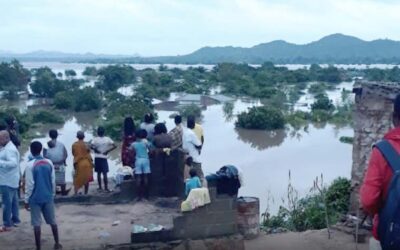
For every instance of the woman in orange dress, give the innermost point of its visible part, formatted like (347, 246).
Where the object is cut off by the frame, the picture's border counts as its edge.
(83, 163)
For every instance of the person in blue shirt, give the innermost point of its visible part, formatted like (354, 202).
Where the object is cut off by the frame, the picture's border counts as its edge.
(40, 188)
(142, 163)
(192, 182)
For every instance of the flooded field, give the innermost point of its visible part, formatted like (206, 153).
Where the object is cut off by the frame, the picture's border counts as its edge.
(264, 157)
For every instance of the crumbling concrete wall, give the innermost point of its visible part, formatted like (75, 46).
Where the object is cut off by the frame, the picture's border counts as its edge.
(219, 218)
(372, 119)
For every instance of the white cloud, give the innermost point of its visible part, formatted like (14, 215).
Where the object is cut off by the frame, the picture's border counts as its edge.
(168, 27)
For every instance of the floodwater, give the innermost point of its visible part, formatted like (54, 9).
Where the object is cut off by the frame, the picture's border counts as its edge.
(265, 158)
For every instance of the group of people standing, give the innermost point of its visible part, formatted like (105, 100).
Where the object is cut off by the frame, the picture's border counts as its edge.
(46, 167)
(39, 184)
(137, 144)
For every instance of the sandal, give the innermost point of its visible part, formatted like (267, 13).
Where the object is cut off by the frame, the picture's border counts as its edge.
(4, 229)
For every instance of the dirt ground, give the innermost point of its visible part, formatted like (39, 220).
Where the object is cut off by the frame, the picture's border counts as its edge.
(310, 240)
(89, 227)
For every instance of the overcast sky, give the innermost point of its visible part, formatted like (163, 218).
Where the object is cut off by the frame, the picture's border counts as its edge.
(171, 27)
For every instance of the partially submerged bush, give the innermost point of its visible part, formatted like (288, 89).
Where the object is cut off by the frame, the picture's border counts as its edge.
(44, 116)
(322, 102)
(190, 110)
(261, 118)
(85, 99)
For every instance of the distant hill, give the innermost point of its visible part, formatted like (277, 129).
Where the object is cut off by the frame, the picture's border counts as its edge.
(336, 48)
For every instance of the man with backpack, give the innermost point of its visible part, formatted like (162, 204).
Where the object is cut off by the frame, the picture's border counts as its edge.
(380, 192)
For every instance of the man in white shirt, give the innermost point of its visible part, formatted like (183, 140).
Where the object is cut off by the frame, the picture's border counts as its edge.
(102, 145)
(190, 143)
(9, 181)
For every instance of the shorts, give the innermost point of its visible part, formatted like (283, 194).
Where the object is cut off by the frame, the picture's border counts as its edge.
(142, 166)
(47, 209)
(101, 165)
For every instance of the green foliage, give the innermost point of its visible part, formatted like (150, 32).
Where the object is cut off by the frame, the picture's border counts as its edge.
(48, 85)
(338, 195)
(113, 77)
(322, 102)
(390, 75)
(64, 100)
(261, 118)
(228, 108)
(11, 94)
(319, 88)
(90, 71)
(85, 99)
(24, 120)
(346, 139)
(309, 212)
(70, 73)
(121, 106)
(268, 80)
(118, 107)
(45, 116)
(13, 76)
(114, 127)
(320, 116)
(188, 110)
(298, 118)
(343, 114)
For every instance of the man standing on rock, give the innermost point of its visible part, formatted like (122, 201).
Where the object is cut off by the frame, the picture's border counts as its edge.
(40, 186)
(376, 189)
(9, 181)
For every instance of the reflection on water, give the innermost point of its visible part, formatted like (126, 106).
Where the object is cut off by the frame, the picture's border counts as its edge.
(261, 139)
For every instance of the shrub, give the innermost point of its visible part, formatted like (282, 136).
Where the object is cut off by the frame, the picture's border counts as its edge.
(261, 118)
(87, 99)
(44, 116)
(320, 116)
(298, 118)
(338, 195)
(23, 119)
(346, 139)
(189, 110)
(63, 100)
(310, 212)
(322, 102)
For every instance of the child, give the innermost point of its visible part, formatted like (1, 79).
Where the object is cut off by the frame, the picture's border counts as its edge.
(142, 163)
(40, 191)
(102, 145)
(193, 182)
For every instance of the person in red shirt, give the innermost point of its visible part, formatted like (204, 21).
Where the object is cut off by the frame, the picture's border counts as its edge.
(377, 179)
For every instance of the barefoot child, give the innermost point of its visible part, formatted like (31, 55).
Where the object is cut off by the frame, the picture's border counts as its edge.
(142, 163)
(40, 187)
